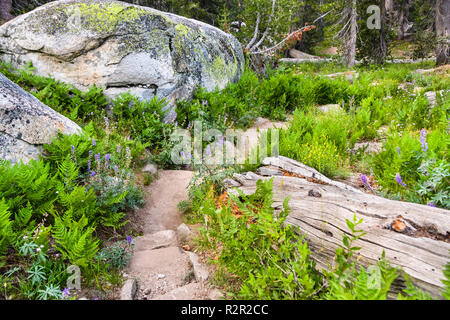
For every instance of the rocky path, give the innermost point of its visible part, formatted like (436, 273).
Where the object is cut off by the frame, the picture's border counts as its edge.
(160, 269)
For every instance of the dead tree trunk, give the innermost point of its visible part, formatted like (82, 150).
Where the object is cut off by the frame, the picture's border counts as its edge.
(351, 53)
(442, 19)
(414, 237)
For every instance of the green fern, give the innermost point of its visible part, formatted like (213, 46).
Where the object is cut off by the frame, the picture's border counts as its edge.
(5, 227)
(75, 240)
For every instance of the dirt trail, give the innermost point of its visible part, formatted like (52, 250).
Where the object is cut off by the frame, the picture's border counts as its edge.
(164, 194)
(164, 270)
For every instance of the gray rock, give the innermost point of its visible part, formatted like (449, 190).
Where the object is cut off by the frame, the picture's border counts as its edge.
(158, 240)
(330, 107)
(183, 232)
(348, 75)
(129, 289)
(150, 168)
(200, 271)
(122, 47)
(432, 97)
(26, 123)
(229, 183)
(370, 146)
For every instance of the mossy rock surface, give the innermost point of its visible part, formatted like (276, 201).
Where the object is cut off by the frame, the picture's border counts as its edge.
(122, 47)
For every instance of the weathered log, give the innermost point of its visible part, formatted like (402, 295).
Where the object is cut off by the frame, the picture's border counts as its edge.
(320, 206)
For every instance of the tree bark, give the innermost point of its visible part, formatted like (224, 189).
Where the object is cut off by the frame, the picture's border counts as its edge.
(320, 206)
(442, 19)
(5, 10)
(381, 57)
(351, 49)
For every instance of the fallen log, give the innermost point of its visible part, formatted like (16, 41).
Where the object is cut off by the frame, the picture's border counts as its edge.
(415, 238)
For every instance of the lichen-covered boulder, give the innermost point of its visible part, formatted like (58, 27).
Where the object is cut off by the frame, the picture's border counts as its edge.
(122, 47)
(26, 123)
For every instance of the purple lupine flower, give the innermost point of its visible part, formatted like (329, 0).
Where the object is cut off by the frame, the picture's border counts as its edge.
(92, 173)
(423, 140)
(66, 293)
(107, 121)
(73, 149)
(226, 116)
(129, 239)
(90, 153)
(107, 159)
(398, 151)
(364, 180)
(97, 157)
(119, 148)
(89, 165)
(398, 178)
(94, 142)
(116, 170)
(182, 154)
(431, 204)
(189, 126)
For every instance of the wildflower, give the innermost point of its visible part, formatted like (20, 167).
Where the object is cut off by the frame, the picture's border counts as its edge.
(176, 123)
(398, 151)
(423, 140)
(364, 180)
(73, 149)
(116, 170)
(182, 154)
(25, 237)
(107, 121)
(93, 174)
(398, 178)
(431, 204)
(90, 154)
(38, 249)
(66, 293)
(94, 142)
(189, 126)
(97, 157)
(89, 165)
(119, 148)
(107, 159)
(129, 239)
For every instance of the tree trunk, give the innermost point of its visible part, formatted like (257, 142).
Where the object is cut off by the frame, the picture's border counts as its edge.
(351, 53)
(320, 206)
(442, 31)
(5, 10)
(381, 57)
